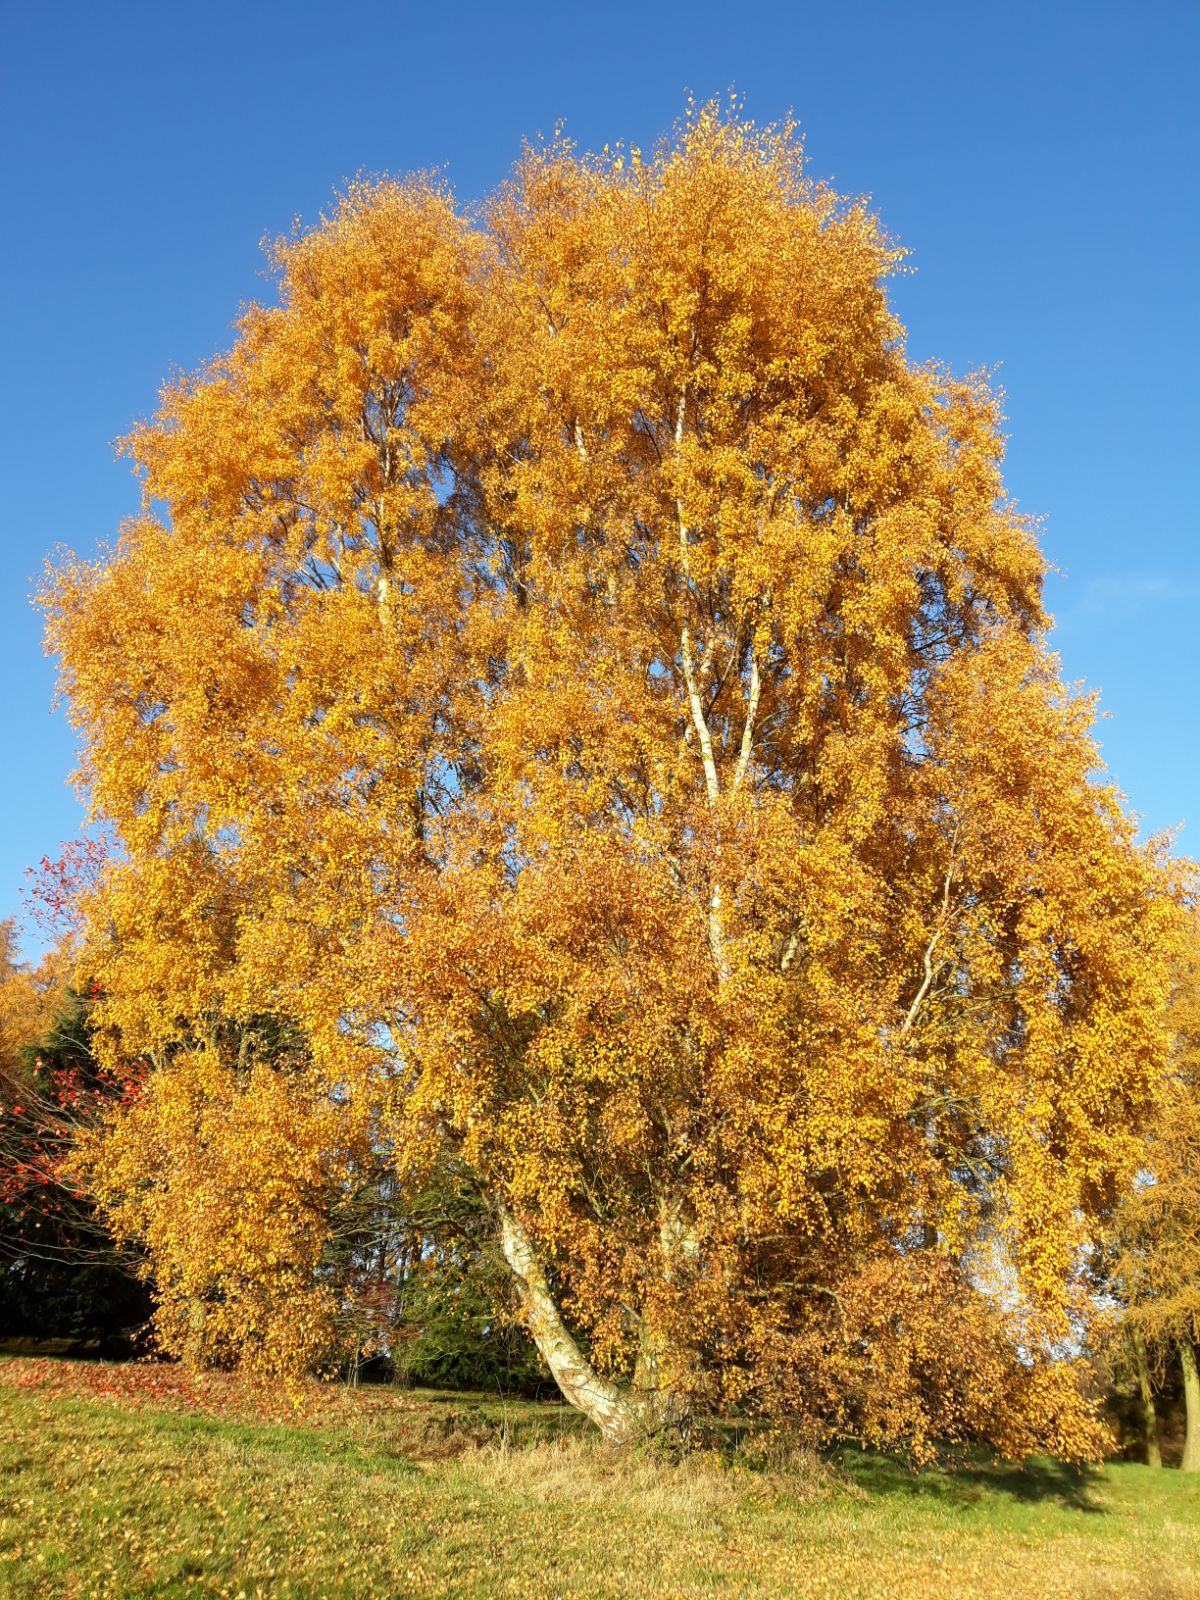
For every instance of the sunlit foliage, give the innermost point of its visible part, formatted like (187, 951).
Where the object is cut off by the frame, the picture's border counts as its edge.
(1153, 1261)
(578, 669)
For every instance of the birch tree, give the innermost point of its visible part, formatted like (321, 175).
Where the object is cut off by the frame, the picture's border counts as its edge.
(578, 667)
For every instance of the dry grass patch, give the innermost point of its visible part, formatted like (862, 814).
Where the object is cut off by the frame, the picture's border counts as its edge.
(585, 1473)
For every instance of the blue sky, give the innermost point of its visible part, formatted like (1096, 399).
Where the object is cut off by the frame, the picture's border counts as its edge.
(1039, 161)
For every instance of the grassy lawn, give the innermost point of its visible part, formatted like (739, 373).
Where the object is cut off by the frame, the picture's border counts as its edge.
(126, 1481)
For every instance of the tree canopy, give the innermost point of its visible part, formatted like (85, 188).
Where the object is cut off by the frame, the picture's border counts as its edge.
(577, 668)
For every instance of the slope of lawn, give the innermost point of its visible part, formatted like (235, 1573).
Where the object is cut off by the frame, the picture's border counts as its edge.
(137, 1482)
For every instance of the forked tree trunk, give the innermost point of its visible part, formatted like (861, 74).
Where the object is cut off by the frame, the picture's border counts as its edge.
(1191, 1401)
(622, 1415)
(1145, 1388)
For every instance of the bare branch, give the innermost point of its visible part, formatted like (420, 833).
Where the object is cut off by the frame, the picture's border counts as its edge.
(748, 728)
(930, 967)
(711, 781)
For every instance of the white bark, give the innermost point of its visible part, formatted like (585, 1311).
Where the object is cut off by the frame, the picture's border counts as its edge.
(748, 728)
(930, 968)
(712, 784)
(699, 720)
(614, 1411)
(1191, 1401)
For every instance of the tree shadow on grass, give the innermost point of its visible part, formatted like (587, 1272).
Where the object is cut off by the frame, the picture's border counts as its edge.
(966, 1479)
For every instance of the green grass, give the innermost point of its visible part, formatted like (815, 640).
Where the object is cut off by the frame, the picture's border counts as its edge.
(101, 1493)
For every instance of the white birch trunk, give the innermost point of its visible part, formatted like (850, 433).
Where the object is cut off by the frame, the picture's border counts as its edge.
(1191, 1401)
(615, 1411)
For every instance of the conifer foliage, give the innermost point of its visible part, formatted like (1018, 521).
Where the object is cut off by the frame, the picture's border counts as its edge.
(62, 1275)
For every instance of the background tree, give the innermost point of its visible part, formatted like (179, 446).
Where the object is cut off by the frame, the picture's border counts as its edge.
(62, 1275)
(452, 1322)
(1155, 1257)
(27, 1000)
(590, 679)
(277, 1233)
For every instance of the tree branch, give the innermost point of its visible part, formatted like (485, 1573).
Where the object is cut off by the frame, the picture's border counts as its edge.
(930, 969)
(748, 728)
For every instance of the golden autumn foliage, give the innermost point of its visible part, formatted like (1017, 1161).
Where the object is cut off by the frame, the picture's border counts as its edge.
(576, 668)
(232, 1180)
(28, 997)
(1154, 1260)
(1160, 1266)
